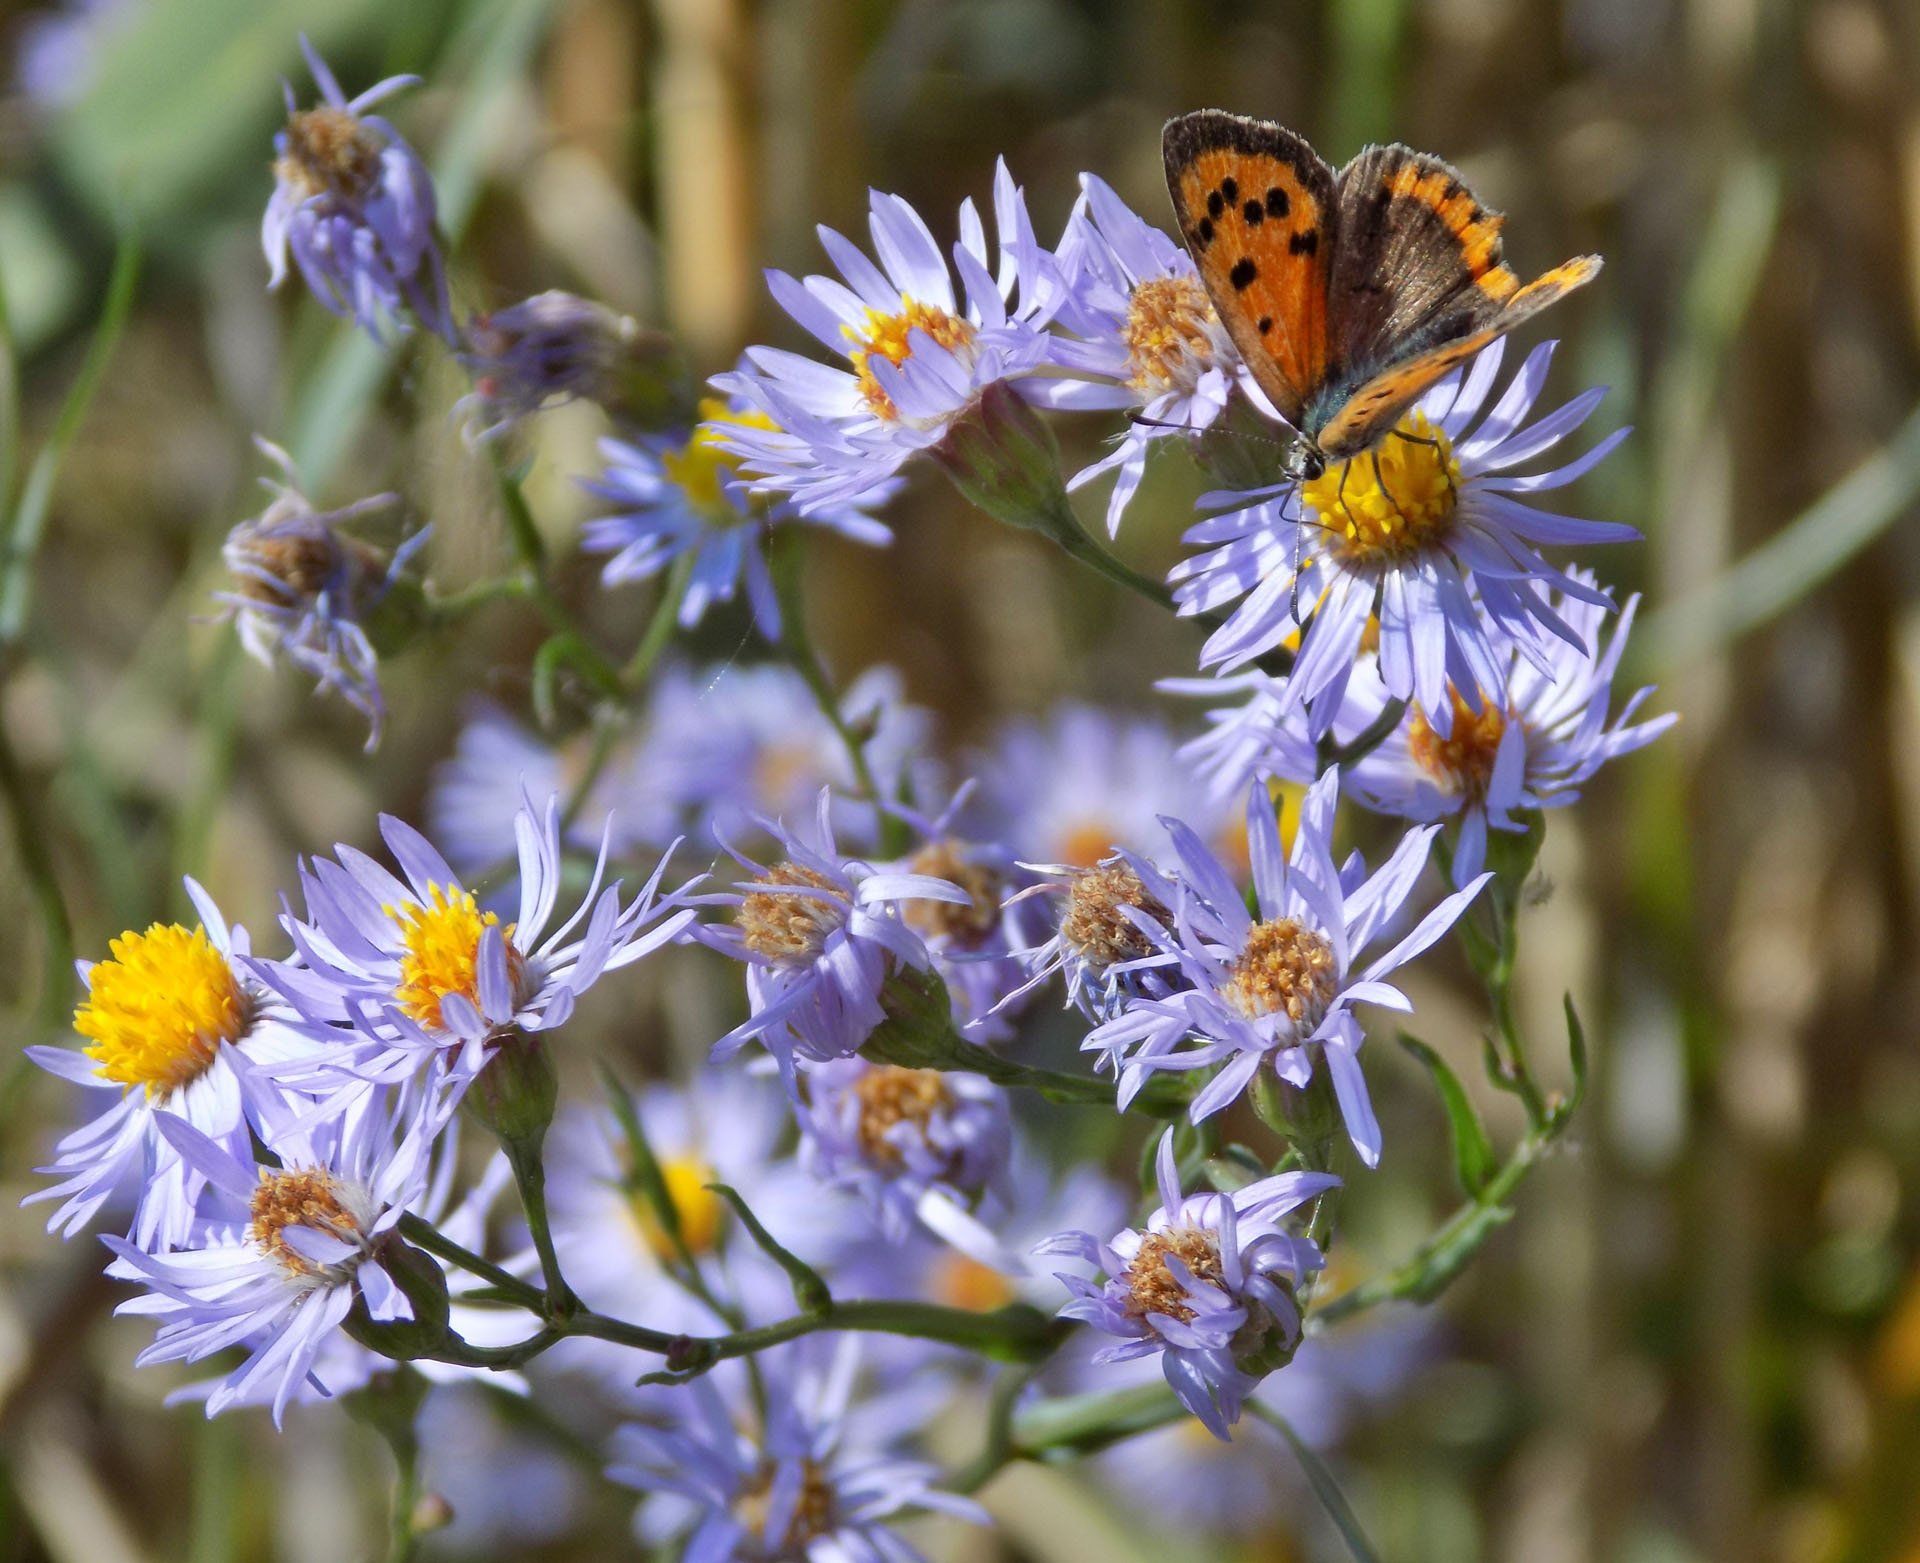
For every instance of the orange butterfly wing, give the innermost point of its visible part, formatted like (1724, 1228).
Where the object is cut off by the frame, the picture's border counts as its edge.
(1255, 204)
(1377, 403)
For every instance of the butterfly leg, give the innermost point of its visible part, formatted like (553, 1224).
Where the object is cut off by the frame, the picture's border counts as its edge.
(1446, 467)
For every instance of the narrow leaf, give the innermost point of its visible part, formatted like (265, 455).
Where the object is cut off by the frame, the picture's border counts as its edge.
(644, 1176)
(809, 1291)
(1473, 1158)
(1577, 1050)
(1324, 1486)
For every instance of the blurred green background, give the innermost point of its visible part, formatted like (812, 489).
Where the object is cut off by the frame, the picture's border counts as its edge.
(1700, 1339)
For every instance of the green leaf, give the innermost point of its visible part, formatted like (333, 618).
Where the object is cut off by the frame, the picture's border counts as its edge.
(1234, 1168)
(644, 1176)
(1577, 1051)
(1473, 1158)
(1443, 1264)
(1324, 1486)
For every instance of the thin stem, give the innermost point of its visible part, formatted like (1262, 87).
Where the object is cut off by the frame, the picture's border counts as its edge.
(1321, 1480)
(999, 1448)
(423, 1234)
(784, 548)
(36, 863)
(530, 1176)
(659, 631)
(1371, 738)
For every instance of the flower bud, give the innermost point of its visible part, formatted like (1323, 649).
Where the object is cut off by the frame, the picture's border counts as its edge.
(514, 1094)
(1002, 457)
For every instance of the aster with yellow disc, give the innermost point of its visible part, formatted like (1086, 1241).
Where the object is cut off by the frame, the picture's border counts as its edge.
(171, 1018)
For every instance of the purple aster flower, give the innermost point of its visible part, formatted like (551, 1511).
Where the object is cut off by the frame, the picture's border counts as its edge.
(917, 356)
(1090, 935)
(1266, 735)
(917, 1145)
(498, 763)
(1072, 788)
(820, 935)
(1145, 336)
(58, 49)
(427, 979)
(732, 745)
(1270, 989)
(973, 945)
(165, 1017)
(726, 1126)
(1425, 532)
(303, 1243)
(1209, 1284)
(808, 1477)
(303, 588)
(353, 204)
(1532, 744)
(685, 497)
(543, 352)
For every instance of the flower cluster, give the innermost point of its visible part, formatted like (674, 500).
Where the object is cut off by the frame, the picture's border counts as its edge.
(278, 1145)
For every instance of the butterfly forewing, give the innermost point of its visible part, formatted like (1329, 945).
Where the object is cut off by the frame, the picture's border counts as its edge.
(1256, 206)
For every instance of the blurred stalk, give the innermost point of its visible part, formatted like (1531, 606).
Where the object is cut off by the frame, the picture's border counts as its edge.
(1365, 40)
(217, 1492)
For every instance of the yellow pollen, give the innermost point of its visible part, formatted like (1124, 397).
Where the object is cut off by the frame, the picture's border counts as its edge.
(1169, 333)
(890, 1095)
(812, 1512)
(1461, 763)
(157, 1012)
(1286, 968)
(442, 939)
(1388, 504)
(778, 924)
(699, 467)
(888, 336)
(298, 1196)
(1150, 1283)
(702, 1213)
(1093, 925)
(329, 151)
(966, 926)
(963, 1282)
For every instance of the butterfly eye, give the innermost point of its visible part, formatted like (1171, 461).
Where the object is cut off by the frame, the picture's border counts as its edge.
(1303, 462)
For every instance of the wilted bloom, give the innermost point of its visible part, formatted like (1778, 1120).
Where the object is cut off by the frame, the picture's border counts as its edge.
(915, 1144)
(1532, 744)
(820, 934)
(353, 204)
(808, 1477)
(1269, 989)
(1210, 1284)
(1424, 532)
(1145, 336)
(685, 497)
(543, 352)
(427, 977)
(164, 1018)
(724, 1126)
(916, 355)
(306, 1242)
(303, 589)
(1091, 936)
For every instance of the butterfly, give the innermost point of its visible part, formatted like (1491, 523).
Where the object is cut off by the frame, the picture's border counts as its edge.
(1348, 294)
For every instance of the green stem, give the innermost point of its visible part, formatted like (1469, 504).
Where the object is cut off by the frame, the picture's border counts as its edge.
(1371, 738)
(999, 1448)
(422, 1234)
(530, 1176)
(1325, 1488)
(659, 631)
(36, 863)
(785, 558)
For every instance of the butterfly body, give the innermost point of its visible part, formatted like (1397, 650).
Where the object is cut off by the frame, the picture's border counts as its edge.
(1348, 294)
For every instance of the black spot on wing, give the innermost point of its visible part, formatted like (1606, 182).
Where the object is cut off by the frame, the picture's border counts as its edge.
(1216, 203)
(1305, 242)
(1229, 188)
(1266, 324)
(1253, 211)
(1204, 232)
(1243, 273)
(1277, 203)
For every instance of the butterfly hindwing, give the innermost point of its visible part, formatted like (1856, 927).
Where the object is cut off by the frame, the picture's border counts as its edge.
(1256, 206)
(1375, 405)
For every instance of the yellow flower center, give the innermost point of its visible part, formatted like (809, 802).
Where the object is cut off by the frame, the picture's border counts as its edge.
(701, 466)
(812, 1512)
(1085, 843)
(702, 1213)
(890, 1095)
(966, 926)
(329, 151)
(157, 1012)
(1286, 968)
(1462, 762)
(777, 923)
(963, 1282)
(442, 939)
(1093, 924)
(299, 1196)
(1388, 504)
(1169, 334)
(1151, 1286)
(887, 335)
